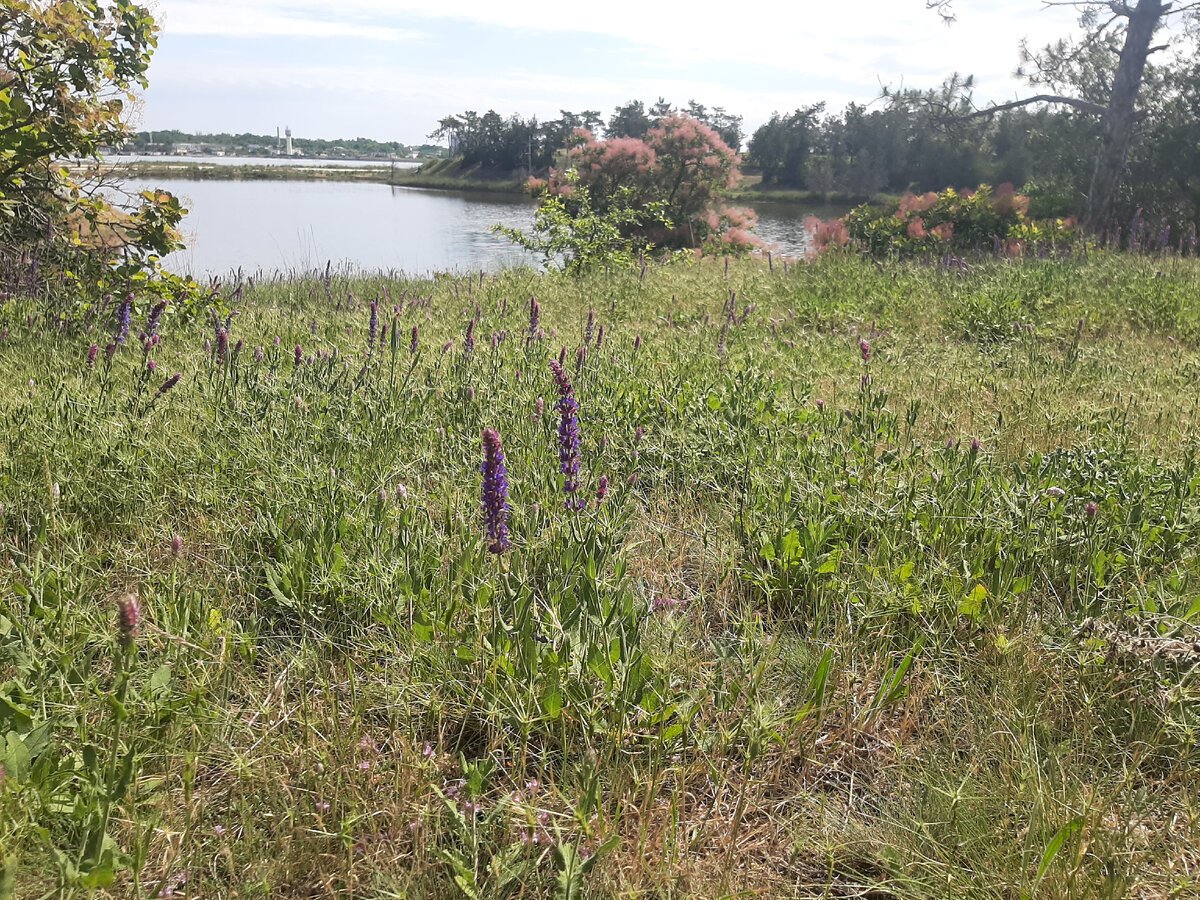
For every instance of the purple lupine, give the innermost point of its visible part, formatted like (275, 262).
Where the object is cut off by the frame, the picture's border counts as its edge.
(222, 343)
(568, 436)
(602, 490)
(124, 319)
(495, 492)
(151, 365)
(535, 320)
(110, 351)
(373, 326)
(91, 355)
(416, 340)
(299, 357)
(169, 383)
(469, 340)
(590, 329)
(152, 320)
(864, 349)
(600, 336)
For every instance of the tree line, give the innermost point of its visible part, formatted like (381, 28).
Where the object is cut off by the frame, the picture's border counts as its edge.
(1060, 145)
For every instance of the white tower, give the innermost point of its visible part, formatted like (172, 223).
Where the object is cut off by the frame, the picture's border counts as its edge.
(287, 132)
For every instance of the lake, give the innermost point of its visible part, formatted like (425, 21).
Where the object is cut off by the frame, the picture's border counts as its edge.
(267, 226)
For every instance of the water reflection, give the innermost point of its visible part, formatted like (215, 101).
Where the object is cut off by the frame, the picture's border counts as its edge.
(300, 225)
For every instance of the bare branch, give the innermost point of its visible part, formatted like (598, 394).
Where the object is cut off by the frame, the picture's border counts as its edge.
(1075, 102)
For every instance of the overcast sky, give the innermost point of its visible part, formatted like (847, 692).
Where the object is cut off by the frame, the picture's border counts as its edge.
(389, 69)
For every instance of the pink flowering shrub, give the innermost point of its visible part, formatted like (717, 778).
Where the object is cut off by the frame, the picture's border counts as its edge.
(988, 219)
(682, 164)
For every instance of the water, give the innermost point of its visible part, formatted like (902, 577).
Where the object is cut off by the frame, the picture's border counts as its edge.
(266, 226)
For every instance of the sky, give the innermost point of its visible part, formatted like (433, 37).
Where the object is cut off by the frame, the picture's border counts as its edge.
(389, 69)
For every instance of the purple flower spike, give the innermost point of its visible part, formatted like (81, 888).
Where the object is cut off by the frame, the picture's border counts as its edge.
(129, 619)
(568, 436)
(864, 347)
(373, 326)
(170, 383)
(495, 492)
(299, 357)
(416, 340)
(591, 327)
(602, 490)
(91, 356)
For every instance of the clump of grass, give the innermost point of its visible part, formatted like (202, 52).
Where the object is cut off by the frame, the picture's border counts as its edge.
(839, 580)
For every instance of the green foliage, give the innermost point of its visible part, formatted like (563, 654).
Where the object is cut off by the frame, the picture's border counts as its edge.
(568, 229)
(953, 221)
(69, 68)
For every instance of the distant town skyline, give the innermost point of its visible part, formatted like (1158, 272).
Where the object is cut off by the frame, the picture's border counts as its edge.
(389, 69)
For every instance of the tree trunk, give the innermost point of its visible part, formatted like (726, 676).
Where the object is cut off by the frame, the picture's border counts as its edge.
(1120, 117)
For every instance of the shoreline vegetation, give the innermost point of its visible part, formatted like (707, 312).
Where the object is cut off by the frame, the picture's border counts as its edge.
(440, 175)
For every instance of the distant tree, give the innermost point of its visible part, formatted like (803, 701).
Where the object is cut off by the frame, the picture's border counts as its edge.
(629, 120)
(781, 146)
(1129, 28)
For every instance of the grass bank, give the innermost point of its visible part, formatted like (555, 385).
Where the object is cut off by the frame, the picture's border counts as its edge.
(452, 175)
(214, 172)
(914, 617)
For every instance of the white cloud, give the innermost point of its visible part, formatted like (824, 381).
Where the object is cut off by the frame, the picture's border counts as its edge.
(250, 20)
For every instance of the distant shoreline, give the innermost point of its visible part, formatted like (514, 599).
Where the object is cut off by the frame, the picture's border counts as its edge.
(413, 178)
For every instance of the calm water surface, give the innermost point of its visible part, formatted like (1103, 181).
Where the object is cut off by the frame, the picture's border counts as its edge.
(265, 226)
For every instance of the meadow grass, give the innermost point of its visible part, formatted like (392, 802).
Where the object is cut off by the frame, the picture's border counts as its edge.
(893, 592)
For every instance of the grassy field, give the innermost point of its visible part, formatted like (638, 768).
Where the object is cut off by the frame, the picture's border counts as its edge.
(909, 618)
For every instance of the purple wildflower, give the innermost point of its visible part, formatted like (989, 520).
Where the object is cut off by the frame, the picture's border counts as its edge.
(91, 356)
(151, 365)
(495, 492)
(1092, 509)
(124, 317)
(864, 348)
(177, 546)
(637, 343)
(299, 357)
(602, 490)
(568, 436)
(129, 619)
(416, 340)
(590, 329)
(373, 326)
(600, 336)
(152, 320)
(535, 320)
(469, 340)
(170, 383)
(222, 343)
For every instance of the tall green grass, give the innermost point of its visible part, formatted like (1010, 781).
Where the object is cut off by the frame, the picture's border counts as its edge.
(921, 624)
